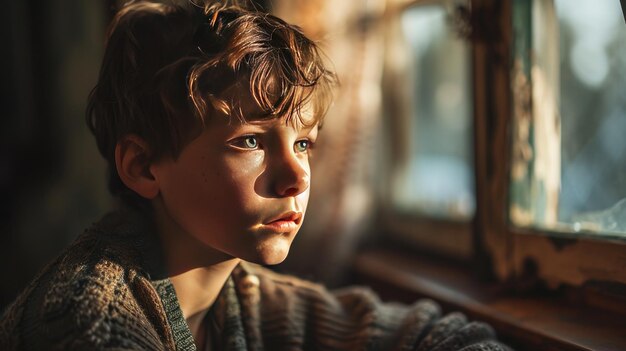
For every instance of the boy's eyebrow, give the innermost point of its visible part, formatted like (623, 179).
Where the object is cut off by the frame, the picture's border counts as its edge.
(269, 121)
(305, 120)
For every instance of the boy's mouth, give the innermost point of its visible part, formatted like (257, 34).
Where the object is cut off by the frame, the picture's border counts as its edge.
(284, 222)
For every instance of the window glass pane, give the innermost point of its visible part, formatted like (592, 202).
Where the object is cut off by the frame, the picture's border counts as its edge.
(438, 177)
(575, 179)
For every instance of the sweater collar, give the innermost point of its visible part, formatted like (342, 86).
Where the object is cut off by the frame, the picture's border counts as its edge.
(136, 228)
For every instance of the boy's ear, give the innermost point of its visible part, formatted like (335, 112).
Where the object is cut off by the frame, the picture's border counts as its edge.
(132, 160)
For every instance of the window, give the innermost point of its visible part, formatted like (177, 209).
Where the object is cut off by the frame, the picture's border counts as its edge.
(534, 157)
(549, 122)
(569, 152)
(548, 115)
(431, 190)
(438, 178)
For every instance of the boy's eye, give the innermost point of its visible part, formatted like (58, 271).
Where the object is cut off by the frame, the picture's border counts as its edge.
(302, 145)
(247, 142)
(250, 142)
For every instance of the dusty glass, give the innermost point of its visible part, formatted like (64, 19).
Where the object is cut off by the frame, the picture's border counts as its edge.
(569, 143)
(437, 178)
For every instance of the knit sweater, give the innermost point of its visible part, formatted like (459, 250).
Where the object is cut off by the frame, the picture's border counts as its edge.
(108, 291)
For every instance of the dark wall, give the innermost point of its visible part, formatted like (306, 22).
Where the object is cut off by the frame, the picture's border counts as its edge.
(51, 176)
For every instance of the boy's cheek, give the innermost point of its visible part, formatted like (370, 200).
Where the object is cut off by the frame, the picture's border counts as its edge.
(243, 162)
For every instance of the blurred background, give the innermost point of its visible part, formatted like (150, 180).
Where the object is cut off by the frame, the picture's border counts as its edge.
(51, 178)
(396, 155)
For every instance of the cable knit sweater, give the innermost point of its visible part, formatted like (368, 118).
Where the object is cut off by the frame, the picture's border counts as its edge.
(108, 291)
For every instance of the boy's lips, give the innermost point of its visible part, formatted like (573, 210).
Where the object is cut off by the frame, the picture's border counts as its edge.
(284, 222)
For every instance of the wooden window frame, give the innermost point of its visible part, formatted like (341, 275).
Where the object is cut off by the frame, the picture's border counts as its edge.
(554, 258)
(507, 252)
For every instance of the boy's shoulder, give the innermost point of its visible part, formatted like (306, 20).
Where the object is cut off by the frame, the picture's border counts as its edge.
(352, 318)
(86, 297)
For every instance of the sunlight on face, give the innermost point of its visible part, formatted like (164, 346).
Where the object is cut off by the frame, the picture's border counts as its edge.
(241, 188)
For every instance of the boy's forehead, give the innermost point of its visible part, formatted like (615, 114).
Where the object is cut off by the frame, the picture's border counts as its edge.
(243, 104)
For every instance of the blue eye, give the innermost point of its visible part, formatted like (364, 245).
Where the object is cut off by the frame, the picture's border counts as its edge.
(246, 142)
(250, 142)
(302, 145)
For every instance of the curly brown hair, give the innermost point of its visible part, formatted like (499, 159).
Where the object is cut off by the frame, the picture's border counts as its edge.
(167, 66)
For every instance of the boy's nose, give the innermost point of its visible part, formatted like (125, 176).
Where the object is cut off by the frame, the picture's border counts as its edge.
(291, 177)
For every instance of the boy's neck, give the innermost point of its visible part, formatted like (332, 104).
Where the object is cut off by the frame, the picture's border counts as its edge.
(197, 290)
(196, 271)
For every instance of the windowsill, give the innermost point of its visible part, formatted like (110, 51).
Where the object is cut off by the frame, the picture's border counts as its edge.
(525, 322)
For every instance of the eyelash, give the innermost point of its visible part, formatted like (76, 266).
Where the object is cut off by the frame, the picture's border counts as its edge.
(241, 143)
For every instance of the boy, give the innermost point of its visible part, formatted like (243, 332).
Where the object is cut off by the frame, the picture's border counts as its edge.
(206, 116)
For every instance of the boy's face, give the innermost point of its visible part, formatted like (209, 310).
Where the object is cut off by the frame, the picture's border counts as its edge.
(241, 188)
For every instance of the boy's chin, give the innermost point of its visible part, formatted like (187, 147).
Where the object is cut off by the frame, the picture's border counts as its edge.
(272, 253)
